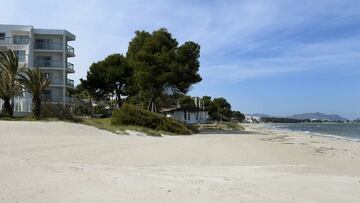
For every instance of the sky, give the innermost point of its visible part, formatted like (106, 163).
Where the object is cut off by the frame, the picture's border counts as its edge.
(278, 57)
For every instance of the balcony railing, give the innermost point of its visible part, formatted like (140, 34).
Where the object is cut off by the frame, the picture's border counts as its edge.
(48, 63)
(20, 40)
(70, 49)
(56, 99)
(70, 82)
(57, 82)
(49, 45)
(60, 82)
(51, 98)
(70, 66)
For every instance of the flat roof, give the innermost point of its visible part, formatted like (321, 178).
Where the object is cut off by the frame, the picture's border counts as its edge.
(54, 32)
(17, 27)
(186, 108)
(68, 34)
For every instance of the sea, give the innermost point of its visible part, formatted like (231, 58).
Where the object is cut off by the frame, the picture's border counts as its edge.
(349, 131)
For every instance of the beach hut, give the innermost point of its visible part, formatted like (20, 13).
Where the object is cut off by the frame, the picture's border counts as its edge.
(191, 115)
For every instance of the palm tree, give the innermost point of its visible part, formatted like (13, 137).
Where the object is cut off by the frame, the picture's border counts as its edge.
(9, 85)
(35, 82)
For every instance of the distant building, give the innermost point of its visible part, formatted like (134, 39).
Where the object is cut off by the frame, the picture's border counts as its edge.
(47, 49)
(191, 115)
(252, 119)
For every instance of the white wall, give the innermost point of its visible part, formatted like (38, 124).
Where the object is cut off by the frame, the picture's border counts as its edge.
(179, 115)
(20, 104)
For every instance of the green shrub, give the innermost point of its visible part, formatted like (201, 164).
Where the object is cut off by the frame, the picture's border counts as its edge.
(131, 115)
(58, 111)
(82, 110)
(102, 111)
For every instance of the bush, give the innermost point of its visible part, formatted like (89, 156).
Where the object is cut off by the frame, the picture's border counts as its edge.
(82, 110)
(57, 111)
(102, 111)
(131, 115)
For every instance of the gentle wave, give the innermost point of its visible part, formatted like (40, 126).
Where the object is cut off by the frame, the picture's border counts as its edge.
(349, 132)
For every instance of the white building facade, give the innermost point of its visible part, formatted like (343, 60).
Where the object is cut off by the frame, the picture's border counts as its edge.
(252, 119)
(47, 49)
(191, 115)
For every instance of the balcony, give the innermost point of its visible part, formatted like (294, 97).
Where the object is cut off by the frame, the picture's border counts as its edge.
(70, 50)
(52, 99)
(49, 63)
(70, 67)
(57, 82)
(69, 82)
(48, 45)
(19, 40)
(56, 99)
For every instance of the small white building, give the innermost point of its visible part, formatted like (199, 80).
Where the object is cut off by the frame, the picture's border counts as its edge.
(252, 119)
(191, 115)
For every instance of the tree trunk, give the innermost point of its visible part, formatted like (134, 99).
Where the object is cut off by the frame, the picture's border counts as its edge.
(118, 98)
(36, 106)
(152, 105)
(91, 108)
(149, 105)
(7, 108)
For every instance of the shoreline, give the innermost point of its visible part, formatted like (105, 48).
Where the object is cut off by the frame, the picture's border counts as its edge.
(266, 125)
(66, 162)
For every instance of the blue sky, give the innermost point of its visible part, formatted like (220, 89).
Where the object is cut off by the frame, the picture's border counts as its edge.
(278, 57)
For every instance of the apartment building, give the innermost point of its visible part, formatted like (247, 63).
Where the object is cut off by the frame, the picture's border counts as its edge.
(47, 49)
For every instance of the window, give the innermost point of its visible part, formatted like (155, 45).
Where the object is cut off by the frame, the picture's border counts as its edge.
(21, 55)
(189, 116)
(40, 44)
(185, 115)
(45, 44)
(21, 39)
(47, 95)
(43, 61)
(2, 36)
(197, 115)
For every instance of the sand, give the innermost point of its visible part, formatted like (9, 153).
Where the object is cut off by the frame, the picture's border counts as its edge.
(64, 162)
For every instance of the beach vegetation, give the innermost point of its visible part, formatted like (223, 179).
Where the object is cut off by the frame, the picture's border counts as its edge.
(9, 85)
(108, 77)
(58, 112)
(283, 120)
(161, 66)
(186, 101)
(35, 82)
(132, 115)
(219, 109)
(105, 124)
(237, 116)
(221, 127)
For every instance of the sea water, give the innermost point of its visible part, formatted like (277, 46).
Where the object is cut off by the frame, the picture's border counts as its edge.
(340, 130)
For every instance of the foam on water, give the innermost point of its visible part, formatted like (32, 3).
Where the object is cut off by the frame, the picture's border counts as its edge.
(338, 131)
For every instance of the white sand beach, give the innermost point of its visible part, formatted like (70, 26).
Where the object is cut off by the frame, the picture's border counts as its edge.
(64, 162)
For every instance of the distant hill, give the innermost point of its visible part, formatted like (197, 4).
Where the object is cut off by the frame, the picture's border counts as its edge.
(258, 115)
(318, 116)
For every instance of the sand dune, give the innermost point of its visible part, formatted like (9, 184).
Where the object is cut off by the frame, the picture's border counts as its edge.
(64, 162)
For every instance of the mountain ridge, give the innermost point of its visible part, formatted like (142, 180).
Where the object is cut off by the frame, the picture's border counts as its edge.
(304, 116)
(318, 116)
